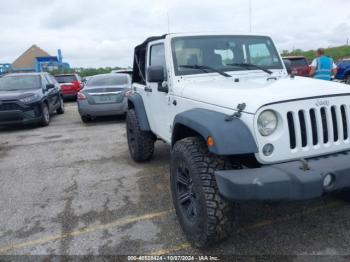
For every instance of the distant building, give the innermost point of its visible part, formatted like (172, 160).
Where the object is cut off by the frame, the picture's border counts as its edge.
(28, 59)
(38, 60)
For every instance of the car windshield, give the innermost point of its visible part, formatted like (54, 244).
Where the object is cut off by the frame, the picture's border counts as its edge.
(20, 82)
(66, 79)
(108, 80)
(298, 62)
(224, 53)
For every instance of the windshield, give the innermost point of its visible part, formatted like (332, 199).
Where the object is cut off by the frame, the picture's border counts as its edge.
(23, 82)
(66, 79)
(108, 80)
(223, 53)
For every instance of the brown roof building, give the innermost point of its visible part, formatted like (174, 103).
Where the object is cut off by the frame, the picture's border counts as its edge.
(27, 59)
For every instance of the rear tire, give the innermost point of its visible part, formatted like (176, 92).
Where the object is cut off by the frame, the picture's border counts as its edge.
(343, 195)
(86, 119)
(60, 110)
(205, 217)
(347, 80)
(141, 143)
(45, 115)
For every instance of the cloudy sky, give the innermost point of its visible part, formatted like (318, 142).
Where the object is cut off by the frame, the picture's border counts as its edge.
(93, 33)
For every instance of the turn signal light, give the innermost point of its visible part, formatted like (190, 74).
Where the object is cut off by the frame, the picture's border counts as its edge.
(210, 141)
(81, 96)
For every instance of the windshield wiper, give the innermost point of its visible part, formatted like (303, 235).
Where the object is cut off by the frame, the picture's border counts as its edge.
(248, 66)
(205, 68)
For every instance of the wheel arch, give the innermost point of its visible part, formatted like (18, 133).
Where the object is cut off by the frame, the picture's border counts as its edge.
(135, 102)
(347, 73)
(46, 102)
(230, 137)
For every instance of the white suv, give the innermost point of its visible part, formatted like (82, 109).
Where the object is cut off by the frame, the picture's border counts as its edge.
(240, 128)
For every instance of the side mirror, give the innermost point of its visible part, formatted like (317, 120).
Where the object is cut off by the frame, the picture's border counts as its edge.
(288, 65)
(50, 86)
(156, 74)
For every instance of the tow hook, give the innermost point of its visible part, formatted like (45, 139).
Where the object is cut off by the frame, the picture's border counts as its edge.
(304, 165)
(238, 113)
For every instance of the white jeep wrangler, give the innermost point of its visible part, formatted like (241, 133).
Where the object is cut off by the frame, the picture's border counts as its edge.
(240, 128)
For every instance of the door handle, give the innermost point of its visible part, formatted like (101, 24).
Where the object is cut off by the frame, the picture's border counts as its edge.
(148, 89)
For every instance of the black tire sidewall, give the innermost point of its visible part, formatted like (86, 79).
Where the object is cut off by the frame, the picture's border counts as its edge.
(347, 79)
(61, 109)
(130, 124)
(142, 147)
(85, 119)
(195, 229)
(45, 110)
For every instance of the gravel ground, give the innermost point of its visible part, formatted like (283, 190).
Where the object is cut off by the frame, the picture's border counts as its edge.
(72, 189)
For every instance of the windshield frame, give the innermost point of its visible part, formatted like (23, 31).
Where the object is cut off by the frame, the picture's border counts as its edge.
(177, 72)
(38, 78)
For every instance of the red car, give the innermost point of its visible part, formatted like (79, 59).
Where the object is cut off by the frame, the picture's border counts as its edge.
(70, 84)
(299, 65)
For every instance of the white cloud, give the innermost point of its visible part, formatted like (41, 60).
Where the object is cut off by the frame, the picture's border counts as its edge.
(104, 32)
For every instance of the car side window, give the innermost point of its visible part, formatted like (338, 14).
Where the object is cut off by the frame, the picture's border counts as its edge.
(157, 55)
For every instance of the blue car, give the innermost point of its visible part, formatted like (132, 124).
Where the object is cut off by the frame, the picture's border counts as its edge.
(343, 73)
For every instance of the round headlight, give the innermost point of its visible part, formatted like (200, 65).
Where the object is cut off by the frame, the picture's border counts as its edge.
(267, 122)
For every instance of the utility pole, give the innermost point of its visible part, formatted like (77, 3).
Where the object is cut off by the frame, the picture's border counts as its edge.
(168, 17)
(250, 16)
(347, 41)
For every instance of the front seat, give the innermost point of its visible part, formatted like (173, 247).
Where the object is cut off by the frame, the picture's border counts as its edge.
(213, 60)
(192, 60)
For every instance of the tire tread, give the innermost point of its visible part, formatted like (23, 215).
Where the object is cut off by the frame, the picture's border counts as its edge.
(144, 139)
(220, 218)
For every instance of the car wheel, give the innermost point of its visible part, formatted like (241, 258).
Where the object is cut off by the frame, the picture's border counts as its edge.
(86, 119)
(141, 143)
(45, 115)
(204, 215)
(60, 110)
(347, 80)
(343, 195)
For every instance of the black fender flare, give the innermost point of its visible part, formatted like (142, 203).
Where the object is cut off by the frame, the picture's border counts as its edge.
(230, 137)
(135, 101)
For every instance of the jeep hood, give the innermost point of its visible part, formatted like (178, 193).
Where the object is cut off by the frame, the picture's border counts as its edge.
(257, 92)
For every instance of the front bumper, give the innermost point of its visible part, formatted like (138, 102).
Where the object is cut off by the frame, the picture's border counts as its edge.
(18, 117)
(286, 181)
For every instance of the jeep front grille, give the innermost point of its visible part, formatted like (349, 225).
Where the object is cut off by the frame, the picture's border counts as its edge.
(317, 126)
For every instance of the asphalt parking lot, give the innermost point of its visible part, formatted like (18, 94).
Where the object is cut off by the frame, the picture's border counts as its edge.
(71, 189)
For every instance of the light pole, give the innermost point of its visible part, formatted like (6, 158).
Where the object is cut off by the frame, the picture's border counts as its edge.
(250, 16)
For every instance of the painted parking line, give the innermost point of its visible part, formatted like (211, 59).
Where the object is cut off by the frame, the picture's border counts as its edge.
(257, 225)
(119, 222)
(169, 250)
